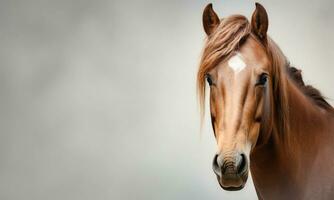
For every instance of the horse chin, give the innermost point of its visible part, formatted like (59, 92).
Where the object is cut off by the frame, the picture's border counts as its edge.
(233, 185)
(233, 188)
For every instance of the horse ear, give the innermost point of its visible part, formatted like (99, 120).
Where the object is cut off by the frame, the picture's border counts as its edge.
(210, 20)
(260, 22)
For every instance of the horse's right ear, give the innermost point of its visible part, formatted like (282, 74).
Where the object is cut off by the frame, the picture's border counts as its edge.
(210, 20)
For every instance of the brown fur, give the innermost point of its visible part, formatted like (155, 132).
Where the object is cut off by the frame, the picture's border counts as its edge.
(292, 154)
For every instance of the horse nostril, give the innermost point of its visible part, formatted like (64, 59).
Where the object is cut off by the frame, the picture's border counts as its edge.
(241, 162)
(226, 166)
(215, 165)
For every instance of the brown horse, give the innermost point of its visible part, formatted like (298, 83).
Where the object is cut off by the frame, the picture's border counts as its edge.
(263, 115)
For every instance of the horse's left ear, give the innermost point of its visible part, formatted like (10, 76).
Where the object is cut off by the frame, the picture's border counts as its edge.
(260, 22)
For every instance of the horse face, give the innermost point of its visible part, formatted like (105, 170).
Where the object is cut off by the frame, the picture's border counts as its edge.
(236, 100)
(238, 86)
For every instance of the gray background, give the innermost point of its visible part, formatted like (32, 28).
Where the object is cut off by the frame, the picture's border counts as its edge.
(98, 97)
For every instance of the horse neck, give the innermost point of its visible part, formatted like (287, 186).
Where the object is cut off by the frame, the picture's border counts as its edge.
(307, 123)
(281, 167)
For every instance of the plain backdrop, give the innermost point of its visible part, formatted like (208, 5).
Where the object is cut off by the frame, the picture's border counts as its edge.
(98, 99)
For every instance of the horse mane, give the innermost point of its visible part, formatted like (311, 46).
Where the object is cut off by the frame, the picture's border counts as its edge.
(308, 90)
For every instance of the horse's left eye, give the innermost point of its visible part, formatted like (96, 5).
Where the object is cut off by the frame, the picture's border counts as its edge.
(263, 78)
(209, 79)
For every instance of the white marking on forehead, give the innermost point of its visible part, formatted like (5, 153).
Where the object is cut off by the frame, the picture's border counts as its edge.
(236, 63)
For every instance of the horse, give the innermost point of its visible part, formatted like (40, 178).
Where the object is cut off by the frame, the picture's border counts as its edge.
(265, 119)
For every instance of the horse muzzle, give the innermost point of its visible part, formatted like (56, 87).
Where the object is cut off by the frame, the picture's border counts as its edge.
(231, 170)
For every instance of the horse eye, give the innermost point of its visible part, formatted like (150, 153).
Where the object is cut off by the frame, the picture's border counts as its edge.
(208, 79)
(263, 78)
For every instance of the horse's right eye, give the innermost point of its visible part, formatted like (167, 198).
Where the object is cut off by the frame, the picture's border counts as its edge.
(209, 79)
